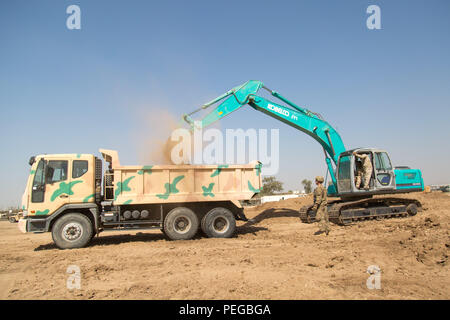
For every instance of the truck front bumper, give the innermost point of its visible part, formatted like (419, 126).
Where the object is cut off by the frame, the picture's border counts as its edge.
(33, 225)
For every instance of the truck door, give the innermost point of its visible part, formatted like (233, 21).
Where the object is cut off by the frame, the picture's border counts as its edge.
(49, 187)
(82, 180)
(383, 171)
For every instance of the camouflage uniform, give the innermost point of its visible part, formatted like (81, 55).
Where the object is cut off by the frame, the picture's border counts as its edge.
(320, 204)
(367, 168)
(359, 174)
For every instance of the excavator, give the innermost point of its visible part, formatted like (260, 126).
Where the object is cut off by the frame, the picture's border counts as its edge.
(353, 204)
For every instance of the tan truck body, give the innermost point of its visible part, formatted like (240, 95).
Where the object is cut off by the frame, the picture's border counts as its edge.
(64, 195)
(183, 183)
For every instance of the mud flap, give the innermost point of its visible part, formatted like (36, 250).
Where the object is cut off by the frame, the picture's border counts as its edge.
(240, 215)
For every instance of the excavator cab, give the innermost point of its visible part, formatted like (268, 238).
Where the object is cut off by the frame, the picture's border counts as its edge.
(382, 177)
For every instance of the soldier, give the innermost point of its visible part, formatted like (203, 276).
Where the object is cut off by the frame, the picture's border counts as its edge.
(367, 168)
(320, 204)
(359, 174)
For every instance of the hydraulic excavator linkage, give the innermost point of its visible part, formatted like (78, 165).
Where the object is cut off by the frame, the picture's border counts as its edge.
(354, 203)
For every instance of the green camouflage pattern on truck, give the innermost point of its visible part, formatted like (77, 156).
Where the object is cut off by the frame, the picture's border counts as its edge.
(54, 195)
(140, 184)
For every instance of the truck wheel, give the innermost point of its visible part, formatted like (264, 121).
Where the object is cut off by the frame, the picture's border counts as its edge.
(219, 223)
(72, 230)
(12, 220)
(181, 224)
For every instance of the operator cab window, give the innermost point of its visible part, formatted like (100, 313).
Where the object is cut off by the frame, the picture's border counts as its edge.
(79, 168)
(382, 161)
(56, 171)
(344, 168)
(386, 161)
(383, 166)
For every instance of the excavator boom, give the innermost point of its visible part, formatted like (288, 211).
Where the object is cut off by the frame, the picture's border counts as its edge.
(302, 119)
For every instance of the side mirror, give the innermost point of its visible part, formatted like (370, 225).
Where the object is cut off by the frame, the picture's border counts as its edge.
(32, 160)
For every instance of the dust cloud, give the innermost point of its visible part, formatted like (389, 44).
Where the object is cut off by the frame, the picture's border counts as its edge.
(152, 135)
(154, 144)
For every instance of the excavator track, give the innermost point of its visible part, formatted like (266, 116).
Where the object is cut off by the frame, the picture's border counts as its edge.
(346, 212)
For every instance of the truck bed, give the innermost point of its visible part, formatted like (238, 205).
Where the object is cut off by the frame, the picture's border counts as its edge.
(183, 183)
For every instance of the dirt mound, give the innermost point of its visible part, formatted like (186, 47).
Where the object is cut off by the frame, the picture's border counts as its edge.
(275, 256)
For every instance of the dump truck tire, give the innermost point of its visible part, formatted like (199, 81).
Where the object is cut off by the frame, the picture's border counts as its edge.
(73, 230)
(181, 224)
(12, 220)
(219, 223)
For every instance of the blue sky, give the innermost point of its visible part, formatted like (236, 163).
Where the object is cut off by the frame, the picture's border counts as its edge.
(78, 90)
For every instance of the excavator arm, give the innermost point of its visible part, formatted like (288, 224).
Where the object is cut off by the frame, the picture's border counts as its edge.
(300, 118)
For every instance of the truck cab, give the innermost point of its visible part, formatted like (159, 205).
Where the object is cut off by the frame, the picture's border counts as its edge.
(57, 182)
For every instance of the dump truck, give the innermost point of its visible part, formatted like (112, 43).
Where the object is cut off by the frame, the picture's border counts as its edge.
(71, 196)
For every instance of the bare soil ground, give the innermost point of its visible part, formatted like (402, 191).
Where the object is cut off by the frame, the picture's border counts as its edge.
(275, 257)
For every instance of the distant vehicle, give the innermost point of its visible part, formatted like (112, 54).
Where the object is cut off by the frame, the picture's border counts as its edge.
(443, 188)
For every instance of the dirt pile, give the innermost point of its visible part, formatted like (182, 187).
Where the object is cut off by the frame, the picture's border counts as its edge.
(273, 257)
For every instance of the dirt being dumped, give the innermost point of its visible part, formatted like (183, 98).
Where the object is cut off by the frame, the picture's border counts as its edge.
(154, 138)
(274, 257)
